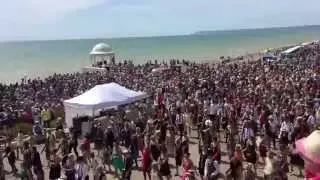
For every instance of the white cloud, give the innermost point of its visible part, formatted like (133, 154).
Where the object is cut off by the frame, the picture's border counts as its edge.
(20, 12)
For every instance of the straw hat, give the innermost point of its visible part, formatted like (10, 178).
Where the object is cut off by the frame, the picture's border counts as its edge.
(309, 147)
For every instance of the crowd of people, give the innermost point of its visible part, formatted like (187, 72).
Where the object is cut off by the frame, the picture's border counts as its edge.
(258, 109)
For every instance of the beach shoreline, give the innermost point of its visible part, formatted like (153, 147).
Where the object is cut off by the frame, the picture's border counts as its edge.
(249, 56)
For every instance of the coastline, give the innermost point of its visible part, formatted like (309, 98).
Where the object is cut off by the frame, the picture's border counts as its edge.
(77, 68)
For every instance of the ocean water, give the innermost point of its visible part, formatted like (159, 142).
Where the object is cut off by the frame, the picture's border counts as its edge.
(42, 58)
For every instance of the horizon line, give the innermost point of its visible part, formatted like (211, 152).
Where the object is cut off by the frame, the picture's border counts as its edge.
(153, 36)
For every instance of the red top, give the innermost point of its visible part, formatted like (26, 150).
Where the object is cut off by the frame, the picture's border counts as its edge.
(86, 144)
(187, 165)
(146, 159)
(262, 118)
(216, 155)
(160, 99)
(185, 176)
(238, 155)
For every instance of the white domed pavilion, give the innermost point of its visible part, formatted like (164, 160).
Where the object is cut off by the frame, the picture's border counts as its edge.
(101, 52)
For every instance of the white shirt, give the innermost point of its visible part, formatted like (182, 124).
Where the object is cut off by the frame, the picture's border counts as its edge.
(213, 109)
(268, 168)
(179, 119)
(286, 126)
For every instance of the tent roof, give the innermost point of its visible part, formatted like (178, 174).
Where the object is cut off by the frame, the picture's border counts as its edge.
(290, 50)
(104, 96)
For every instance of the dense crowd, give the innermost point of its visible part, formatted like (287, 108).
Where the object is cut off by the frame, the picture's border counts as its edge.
(258, 109)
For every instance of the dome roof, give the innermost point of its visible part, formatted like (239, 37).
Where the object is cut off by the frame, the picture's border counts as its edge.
(101, 48)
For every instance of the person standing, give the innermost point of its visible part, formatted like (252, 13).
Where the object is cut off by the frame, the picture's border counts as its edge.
(128, 162)
(85, 148)
(69, 168)
(170, 141)
(180, 122)
(20, 143)
(2, 173)
(187, 163)
(134, 149)
(64, 147)
(109, 138)
(46, 116)
(11, 159)
(178, 154)
(164, 168)
(37, 165)
(117, 161)
(74, 143)
(81, 169)
(106, 157)
(126, 135)
(202, 161)
(146, 162)
(98, 139)
(55, 168)
(251, 154)
(234, 171)
(27, 157)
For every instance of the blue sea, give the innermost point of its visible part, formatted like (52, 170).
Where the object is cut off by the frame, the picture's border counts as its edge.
(42, 58)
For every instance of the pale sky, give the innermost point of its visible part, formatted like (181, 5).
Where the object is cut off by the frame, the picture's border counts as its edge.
(61, 19)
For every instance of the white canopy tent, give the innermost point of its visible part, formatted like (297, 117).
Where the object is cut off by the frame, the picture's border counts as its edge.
(100, 97)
